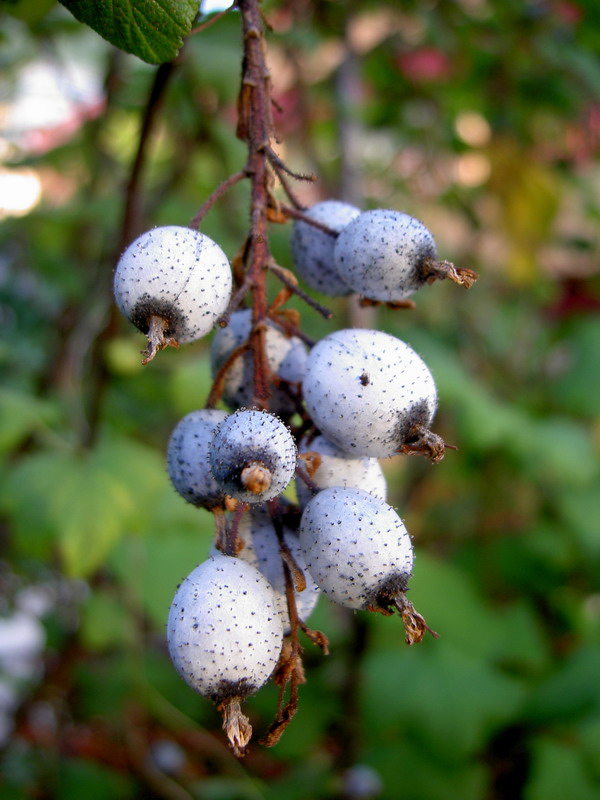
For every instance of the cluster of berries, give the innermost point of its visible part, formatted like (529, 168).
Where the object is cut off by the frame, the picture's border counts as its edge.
(335, 409)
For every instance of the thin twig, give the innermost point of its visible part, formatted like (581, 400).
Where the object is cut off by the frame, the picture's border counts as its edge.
(290, 329)
(284, 277)
(219, 381)
(291, 195)
(214, 19)
(280, 164)
(235, 302)
(218, 192)
(298, 214)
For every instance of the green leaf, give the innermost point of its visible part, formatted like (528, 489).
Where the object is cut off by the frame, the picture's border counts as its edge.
(580, 511)
(572, 692)
(153, 30)
(29, 11)
(82, 504)
(89, 507)
(403, 761)
(425, 691)
(25, 497)
(82, 778)
(152, 567)
(558, 772)
(103, 623)
(20, 415)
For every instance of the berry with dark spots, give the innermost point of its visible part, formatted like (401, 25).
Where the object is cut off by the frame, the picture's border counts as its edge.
(253, 455)
(172, 283)
(390, 414)
(187, 458)
(312, 248)
(388, 255)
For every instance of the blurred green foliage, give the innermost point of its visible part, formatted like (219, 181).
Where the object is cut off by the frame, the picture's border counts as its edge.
(481, 118)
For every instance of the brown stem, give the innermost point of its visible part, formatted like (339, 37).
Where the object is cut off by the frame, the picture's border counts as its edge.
(157, 340)
(281, 166)
(290, 328)
(303, 474)
(255, 128)
(289, 280)
(133, 196)
(296, 203)
(235, 302)
(422, 441)
(218, 193)
(301, 215)
(236, 725)
(290, 670)
(219, 381)
(415, 626)
(231, 543)
(203, 26)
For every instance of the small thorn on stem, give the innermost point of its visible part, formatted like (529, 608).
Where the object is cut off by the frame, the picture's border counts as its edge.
(422, 441)
(439, 270)
(256, 478)
(236, 726)
(415, 626)
(157, 326)
(316, 637)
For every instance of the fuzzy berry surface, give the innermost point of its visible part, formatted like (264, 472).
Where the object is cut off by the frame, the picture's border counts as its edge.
(381, 254)
(366, 391)
(224, 630)
(356, 548)
(175, 273)
(338, 468)
(251, 437)
(187, 458)
(312, 248)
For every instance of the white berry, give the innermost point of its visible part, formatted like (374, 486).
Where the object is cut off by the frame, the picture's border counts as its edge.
(253, 455)
(173, 283)
(187, 458)
(224, 630)
(338, 468)
(312, 249)
(356, 548)
(286, 357)
(371, 395)
(381, 254)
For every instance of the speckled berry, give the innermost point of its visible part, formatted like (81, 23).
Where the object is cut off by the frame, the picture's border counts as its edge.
(224, 634)
(172, 283)
(387, 255)
(253, 455)
(224, 630)
(356, 547)
(360, 554)
(338, 468)
(261, 548)
(312, 248)
(286, 358)
(187, 458)
(371, 395)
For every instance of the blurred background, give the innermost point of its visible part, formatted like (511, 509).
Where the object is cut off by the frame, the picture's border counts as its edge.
(480, 117)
